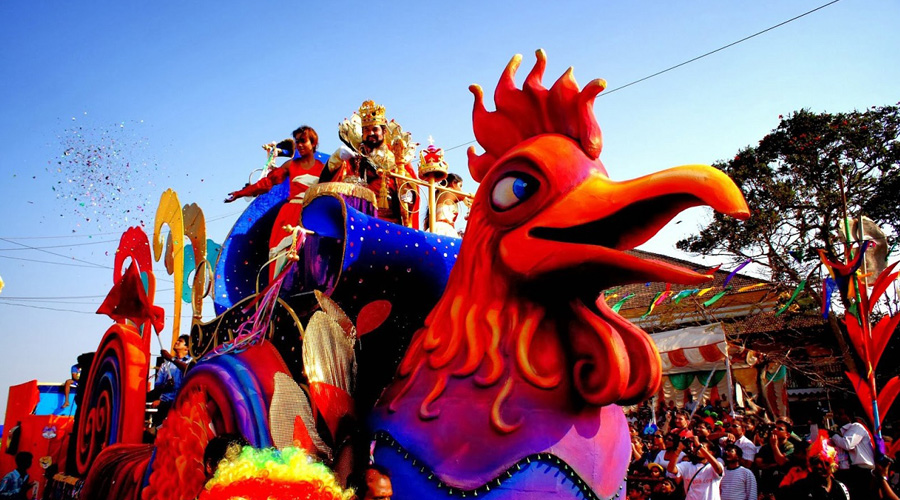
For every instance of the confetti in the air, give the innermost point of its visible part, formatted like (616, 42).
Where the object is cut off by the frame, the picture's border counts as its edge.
(104, 174)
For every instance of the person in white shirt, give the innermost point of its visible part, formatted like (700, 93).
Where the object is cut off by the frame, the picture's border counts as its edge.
(701, 476)
(735, 435)
(855, 439)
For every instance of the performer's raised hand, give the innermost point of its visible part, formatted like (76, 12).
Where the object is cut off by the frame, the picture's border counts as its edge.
(346, 153)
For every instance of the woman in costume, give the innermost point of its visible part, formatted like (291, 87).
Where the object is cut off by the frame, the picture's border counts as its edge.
(303, 170)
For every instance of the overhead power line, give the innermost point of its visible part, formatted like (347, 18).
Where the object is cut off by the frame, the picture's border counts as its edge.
(68, 264)
(100, 242)
(117, 233)
(711, 52)
(55, 254)
(69, 297)
(57, 309)
(693, 59)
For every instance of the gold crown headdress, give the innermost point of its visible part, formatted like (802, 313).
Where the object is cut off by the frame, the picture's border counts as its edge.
(431, 163)
(371, 114)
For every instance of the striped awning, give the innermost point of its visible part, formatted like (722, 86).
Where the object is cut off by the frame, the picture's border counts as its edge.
(698, 348)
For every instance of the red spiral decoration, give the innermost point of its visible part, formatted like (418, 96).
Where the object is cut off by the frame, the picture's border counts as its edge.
(112, 408)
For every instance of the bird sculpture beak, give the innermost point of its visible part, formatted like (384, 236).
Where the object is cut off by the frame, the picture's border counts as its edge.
(591, 227)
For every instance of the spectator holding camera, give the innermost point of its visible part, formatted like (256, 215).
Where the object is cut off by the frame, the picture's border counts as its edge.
(702, 475)
(734, 434)
(772, 458)
(671, 453)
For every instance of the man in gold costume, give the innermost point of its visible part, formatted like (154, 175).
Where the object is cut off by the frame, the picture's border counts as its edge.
(375, 151)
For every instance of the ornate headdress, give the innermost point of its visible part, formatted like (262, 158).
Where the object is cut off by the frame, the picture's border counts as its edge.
(822, 448)
(371, 114)
(431, 163)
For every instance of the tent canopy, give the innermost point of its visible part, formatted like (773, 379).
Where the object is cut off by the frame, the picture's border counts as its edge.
(694, 349)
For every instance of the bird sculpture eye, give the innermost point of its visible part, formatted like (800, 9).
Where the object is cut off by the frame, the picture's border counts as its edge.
(513, 190)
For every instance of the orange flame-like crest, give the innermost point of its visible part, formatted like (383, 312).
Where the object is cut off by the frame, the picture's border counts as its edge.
(533, 111)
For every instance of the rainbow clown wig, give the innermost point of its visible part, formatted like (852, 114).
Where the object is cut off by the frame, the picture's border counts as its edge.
(271, 474)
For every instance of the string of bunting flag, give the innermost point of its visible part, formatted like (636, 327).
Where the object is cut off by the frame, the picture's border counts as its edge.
(717, 293)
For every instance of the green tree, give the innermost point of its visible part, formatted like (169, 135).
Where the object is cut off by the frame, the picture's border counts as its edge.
(800, 182)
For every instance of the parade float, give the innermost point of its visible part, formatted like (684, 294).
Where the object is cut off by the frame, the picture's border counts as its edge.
(487, 365)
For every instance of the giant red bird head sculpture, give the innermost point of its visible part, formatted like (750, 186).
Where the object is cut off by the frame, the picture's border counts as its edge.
(519, 362)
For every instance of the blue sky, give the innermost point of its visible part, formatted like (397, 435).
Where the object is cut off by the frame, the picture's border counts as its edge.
(190, 90)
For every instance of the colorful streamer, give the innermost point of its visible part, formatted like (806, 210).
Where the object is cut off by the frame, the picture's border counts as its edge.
(738, 268)
(684, 293)
(618, 305)
(652, 304)
(843, 272)
(797, 291)
(715, 298)
(828, 288)
(750, 287)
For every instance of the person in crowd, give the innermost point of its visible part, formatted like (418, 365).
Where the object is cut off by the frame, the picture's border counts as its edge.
(657, 444)
(798, 469)
(738, 483)
(689, 403)
(72, 383)
(681, 421)
(880, 483)
(220, 447)
(855, 440)
(820, 483)
(671, 453)
(702, 475)
(17, 484)
(169, 377)
(772, 458)
(701, 429)
(665, 490)
(733, 433)
(376, 484)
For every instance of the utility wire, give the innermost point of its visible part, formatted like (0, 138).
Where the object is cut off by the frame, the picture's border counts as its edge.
(57, 309)
(732, 44)
(68, 264)
(7, 297)
(58, 246)
(54, 253)
(118, 233)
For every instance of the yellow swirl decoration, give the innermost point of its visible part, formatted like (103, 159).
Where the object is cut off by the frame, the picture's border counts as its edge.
(195, 230)
(169, 212)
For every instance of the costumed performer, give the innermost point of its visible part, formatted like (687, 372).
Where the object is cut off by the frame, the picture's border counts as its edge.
(447, 207)
(374, 150)
(303, 170)
(270, 474)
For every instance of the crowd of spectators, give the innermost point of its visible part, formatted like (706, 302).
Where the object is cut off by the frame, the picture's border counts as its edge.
(762, 458)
